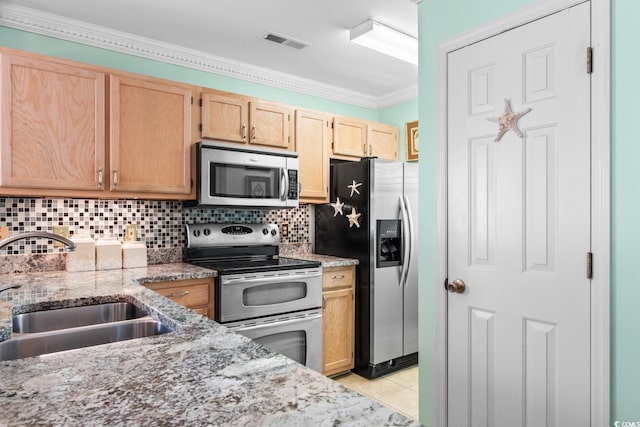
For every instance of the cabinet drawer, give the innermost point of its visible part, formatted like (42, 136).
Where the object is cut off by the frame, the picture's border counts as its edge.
(338, 277)
(190, 293)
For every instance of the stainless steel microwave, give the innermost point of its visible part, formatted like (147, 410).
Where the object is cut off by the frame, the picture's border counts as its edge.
(237, 175)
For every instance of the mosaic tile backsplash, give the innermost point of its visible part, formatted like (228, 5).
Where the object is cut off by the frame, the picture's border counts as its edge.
(160, 224)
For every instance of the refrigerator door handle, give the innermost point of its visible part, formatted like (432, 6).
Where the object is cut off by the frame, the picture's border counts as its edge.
(406, 236)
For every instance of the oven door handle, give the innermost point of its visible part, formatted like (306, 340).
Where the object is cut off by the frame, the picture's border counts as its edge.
(283, 278)
(277, 324)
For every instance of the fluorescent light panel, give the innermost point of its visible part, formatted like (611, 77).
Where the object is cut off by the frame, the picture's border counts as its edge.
(387, 40)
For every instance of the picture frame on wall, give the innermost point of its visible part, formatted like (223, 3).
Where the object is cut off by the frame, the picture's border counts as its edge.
(412, 140)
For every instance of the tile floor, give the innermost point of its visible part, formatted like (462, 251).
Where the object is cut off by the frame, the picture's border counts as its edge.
(398, 390)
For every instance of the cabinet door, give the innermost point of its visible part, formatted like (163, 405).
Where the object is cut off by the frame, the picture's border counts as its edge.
(337, 333)
(312, 145)
(52, 124)
(270, 124)
(349, 137)
(225, 116)
(383, 141)
(150, 135)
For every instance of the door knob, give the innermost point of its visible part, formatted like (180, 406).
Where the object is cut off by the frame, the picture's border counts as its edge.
(456, 287)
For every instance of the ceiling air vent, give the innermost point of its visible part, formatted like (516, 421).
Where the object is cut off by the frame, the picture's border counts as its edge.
(287, 41)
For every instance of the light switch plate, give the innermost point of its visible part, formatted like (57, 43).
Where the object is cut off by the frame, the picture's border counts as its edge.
(4, 232)
(60, 230)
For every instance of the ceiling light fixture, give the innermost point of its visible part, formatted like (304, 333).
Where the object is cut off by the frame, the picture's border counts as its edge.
(387, 40)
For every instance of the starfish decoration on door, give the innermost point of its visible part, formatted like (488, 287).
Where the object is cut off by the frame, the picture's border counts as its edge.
(508, 120)
(354, 218)
(354, 187)
(337, 207)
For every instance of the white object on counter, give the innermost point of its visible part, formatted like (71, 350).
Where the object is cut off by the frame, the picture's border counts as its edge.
(134, 254)
(83, 258)
(108, 253)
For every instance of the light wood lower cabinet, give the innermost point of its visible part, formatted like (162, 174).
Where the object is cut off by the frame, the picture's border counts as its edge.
(338, 288)
(196, 294)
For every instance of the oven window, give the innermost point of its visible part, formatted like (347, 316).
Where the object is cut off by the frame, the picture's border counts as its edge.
(292, 344)
(274, 293)
(244, 181)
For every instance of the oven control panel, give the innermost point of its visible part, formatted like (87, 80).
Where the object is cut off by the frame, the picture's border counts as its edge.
(212, 234)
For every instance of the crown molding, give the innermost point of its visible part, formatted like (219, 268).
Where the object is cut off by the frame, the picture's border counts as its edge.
(56, 26)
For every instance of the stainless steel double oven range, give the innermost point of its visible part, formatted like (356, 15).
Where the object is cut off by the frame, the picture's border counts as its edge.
(273, 300)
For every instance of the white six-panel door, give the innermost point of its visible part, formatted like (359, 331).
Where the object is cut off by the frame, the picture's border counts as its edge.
(519, 227)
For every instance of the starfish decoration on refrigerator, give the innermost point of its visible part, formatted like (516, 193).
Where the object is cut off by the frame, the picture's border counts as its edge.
(354, 218)
(337, 207)
(354, 187)
(508, 120)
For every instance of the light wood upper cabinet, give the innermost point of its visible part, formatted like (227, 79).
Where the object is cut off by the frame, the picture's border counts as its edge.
(270, 124)
(354, 139)
(338, 317)
(382, 140)
(236, 118)
(312, 145)
(349, 138)
(225, 116)
(52, 125)
(150, 135)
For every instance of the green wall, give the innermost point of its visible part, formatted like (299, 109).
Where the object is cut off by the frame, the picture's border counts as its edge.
(440, 20)
(625, 213)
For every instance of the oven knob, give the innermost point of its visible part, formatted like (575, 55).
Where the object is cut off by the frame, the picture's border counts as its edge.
(206, 231)
(274, 232)
(196, 233)
(265, 231)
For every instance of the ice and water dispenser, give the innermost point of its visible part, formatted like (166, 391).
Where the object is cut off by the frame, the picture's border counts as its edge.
(388, 243)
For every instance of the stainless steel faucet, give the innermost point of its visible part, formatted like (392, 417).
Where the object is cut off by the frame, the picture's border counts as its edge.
(68, 244)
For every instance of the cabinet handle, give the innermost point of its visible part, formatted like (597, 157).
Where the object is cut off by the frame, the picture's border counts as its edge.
(338, 276)
(179, 294)
(253, 133)
(100, 178)
(324, 302)
(244, 131)
(115, 178)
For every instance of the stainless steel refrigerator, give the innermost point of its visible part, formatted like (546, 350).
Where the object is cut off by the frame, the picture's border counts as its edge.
(372, 216)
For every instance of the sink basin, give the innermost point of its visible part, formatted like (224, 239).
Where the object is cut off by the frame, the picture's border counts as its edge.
(50, 320)
(35, 344)
(50, 329)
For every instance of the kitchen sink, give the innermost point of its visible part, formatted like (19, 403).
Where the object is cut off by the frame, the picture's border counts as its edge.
(51, 330)
(35, 344)
(49, 320)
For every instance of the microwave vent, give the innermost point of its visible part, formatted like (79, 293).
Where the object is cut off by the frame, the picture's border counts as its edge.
(285, 40)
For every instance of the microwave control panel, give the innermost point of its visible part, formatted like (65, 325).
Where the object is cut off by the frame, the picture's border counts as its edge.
(293, 185)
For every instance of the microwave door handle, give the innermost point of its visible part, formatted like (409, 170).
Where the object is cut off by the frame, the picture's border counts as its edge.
(284, 184)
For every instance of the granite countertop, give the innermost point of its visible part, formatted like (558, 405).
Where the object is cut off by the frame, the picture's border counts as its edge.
(200, 374)
(326, 260)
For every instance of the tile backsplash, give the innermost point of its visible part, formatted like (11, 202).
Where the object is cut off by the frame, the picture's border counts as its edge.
(160, 224)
